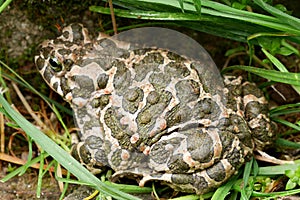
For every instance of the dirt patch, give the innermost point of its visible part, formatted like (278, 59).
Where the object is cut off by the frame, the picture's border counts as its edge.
(24, 187)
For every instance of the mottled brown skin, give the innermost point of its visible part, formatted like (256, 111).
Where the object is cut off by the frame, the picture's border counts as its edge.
(147, 112)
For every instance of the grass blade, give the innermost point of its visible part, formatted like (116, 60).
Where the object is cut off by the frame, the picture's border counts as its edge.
(4, 5)
(197, 4)
(212, 9)
(293, 21)
(283, 77)
(279, 66)
(62, 156)
(216, 18)
(223, 190)
(279, 169)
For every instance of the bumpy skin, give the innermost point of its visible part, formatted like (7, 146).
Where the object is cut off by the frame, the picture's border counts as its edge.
(147, 113)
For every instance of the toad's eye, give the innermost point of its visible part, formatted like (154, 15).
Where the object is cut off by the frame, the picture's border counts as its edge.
(55, 65)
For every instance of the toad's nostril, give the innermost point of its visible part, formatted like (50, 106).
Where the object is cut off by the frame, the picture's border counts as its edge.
(40, 62)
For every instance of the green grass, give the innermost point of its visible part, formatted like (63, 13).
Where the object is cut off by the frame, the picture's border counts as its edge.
(272, 32)
(215, 18)
(4, 4)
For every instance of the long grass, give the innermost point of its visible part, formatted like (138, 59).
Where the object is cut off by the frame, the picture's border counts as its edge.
(4, 4)
(213, 18)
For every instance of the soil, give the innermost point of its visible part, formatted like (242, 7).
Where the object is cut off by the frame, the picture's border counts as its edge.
(24, 187)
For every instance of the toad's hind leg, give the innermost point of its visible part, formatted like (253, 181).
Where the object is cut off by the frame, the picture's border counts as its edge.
(196, 160)
(92, 153)
(199, 182)
(257, 116)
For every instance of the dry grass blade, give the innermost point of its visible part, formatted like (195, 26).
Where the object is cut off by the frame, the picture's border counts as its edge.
(27, 106)
(267, 158)
(19, 161)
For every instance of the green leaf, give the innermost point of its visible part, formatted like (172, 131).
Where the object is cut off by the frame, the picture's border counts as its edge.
(223, 190)
(280, 7)
(283, 17)
(149, 15)
(247, 185)
(247, 172)
(211, 9)
(181, 5)
(238, 5)
(289, 173)
(270, 43)
(282, 68)
(283, 77)
(290, 108)
(290, 47)
(20, 169)
(235, 50)
(197, 4)
(287, 144)
(279, 169)
(275, 61)
(290, 185)
(286, 123)
(285, 51)
(4, 5)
